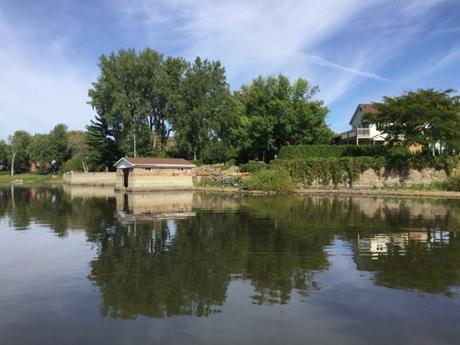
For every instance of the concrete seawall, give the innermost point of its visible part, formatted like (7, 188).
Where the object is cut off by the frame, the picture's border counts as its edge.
(90, 178)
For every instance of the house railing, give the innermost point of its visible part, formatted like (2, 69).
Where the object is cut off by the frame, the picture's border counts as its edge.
(357, 132)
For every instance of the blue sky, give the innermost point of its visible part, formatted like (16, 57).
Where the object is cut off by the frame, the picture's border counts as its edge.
(356, 51)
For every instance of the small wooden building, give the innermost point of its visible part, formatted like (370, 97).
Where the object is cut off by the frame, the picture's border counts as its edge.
(143, 174)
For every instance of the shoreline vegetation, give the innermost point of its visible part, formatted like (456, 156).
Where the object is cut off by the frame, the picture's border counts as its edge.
(30, 178)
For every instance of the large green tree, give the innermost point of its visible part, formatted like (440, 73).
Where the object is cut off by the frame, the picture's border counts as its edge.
(426, 116)
(136, 94)
(277, 113)
(205, 107)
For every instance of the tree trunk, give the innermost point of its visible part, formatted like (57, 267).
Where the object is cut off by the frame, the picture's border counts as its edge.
(12, 163)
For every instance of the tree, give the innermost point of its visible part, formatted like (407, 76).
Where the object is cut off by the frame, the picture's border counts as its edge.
(4, 149)
(136, 94)
(426, 116)
(18, 143)
(102, 150)
(77, 148)
(276, 113)
(205, 102)
(59, 144)
(40, 151)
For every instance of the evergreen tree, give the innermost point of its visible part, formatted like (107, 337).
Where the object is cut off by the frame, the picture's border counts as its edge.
(102, 149)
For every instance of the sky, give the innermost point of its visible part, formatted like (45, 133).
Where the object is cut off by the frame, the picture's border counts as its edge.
(356, 51)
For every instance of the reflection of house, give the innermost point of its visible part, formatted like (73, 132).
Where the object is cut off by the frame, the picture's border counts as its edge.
(362, 131)
(153, 174)
(383, 244)
(147, 207)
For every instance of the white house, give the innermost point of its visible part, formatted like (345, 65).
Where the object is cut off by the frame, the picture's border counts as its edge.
(362, 131)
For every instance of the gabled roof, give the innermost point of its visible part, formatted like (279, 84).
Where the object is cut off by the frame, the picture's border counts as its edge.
(364, 108)
(147, 162)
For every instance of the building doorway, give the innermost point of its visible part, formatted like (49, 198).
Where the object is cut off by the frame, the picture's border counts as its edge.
(125, 177)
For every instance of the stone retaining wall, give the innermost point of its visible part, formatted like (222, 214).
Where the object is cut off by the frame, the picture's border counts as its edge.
(90, 178)
(411, 177)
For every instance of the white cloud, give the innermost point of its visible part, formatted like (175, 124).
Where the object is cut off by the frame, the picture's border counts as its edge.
(39, 84)
(262, 37)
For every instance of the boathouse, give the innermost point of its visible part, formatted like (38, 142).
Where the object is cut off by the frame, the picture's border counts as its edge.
(143, 174)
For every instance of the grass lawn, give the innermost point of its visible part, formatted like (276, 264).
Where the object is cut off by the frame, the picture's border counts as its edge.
(28, 178)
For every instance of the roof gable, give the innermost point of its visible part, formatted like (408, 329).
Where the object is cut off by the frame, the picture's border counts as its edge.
(363, 108)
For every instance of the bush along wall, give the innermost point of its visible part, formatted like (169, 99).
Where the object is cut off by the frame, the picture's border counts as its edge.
(328, 151)
(328, 171)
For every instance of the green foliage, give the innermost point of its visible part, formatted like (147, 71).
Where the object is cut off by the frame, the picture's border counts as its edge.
(425, 116)
(205, 107)
(40, 151)
(4, 151)
(216, 152)
(270, 180)
(452, 184)
(49, 151)
(18, 156)
(275, 113)
(136, 95)
(310, 151)
(72, 165)
(102, 151)
(253, 166)
(324, 151)
(59, 143)
(326, 171)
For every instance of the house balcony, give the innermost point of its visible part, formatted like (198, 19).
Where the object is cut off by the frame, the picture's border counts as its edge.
(362, 135)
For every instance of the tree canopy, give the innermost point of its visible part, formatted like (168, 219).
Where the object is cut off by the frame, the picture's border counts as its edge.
(425, 116)
(276, 113)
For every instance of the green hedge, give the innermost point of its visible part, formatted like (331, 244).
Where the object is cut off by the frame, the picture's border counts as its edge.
(328, 171)
(327, 151)
(253, 166)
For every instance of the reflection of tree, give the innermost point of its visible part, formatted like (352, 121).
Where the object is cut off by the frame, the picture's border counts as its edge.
(142, 270)
(277, 244)
(50, 206)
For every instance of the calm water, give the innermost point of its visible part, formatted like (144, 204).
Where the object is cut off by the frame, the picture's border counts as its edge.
(88, 266)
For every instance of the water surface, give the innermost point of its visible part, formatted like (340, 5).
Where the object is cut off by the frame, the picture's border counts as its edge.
(90, 266)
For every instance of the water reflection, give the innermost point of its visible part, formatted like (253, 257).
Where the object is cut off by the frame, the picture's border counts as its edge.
(148, 207)
(164, 254)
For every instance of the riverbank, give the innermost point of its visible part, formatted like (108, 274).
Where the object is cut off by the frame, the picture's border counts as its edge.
(29, 178)
(345, 191)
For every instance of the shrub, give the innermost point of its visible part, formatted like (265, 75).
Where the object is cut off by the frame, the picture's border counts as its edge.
(329, 151)
(71, 165)
(253, 166)
(309, 151)
(452, 184)
(270, 180)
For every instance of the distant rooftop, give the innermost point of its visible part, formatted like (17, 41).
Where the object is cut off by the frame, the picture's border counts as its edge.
(367, 108)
